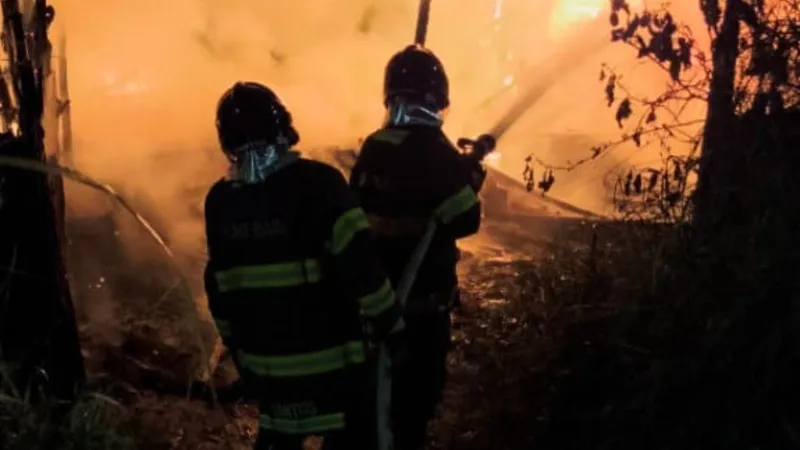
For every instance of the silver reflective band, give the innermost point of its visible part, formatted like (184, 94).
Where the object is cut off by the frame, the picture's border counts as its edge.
(403, 113)
(255, 161)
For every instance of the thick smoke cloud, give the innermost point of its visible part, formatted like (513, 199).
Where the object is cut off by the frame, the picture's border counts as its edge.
(145, 76)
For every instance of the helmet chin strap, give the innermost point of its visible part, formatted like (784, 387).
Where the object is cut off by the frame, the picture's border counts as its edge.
(255, 161)
(407, 113)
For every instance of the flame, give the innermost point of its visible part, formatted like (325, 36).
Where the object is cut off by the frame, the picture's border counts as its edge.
(570, 13)
(581, 9)
(498, 9)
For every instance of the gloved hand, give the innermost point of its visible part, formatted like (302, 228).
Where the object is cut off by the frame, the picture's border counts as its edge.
(484, 145)
(226, 395)
(477, 177)
(397, 344)
(233, 393)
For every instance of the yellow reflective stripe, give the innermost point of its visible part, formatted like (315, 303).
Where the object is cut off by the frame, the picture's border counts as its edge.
(378, 301)
(304, 364)
(314, 424)
(223, 327)
(391, 136)
(346, 227)
(280, 275)
(457, 204)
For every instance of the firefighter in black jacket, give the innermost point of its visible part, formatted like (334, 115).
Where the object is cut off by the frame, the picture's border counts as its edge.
(292, 279)
(406, 173)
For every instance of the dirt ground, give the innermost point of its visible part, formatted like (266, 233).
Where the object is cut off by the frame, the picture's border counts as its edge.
(140, 374)
(142, 351)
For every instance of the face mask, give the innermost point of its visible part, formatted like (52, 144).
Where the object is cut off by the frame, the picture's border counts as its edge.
(405, 113)
(255, 161)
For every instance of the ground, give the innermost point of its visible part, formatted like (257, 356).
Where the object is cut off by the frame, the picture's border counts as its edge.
(480, 331)
(573, 334)
(142, 366)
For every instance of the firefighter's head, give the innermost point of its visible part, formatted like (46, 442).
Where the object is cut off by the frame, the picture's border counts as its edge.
(415, 77)
(249, 114)
(254, 128)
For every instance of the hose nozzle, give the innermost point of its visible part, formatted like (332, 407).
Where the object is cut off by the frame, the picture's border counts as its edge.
(479, 147)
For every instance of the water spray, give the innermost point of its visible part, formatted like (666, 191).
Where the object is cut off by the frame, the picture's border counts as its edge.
(581, 46)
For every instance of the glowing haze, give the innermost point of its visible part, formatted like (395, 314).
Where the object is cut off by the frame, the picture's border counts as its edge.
(145, 76)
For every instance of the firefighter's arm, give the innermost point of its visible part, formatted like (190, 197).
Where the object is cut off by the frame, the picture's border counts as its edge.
(356, 180)
(355, 175)
(220, 311)
(354, 264)
(459, 209)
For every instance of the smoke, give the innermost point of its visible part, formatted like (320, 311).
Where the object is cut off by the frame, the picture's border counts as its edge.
(145, 76)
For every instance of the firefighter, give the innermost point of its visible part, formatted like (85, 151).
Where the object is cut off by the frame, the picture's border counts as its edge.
(407, 173)
(293, 282)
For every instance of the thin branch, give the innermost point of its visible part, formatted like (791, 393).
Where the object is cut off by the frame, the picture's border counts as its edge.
(604, 148)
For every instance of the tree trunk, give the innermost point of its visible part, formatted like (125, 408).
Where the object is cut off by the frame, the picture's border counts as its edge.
(38, 333)
(717, 149)
(746, 285)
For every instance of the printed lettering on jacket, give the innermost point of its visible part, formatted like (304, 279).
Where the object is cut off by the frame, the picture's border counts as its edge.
(298, 410)
(384, 183)
(255, 229)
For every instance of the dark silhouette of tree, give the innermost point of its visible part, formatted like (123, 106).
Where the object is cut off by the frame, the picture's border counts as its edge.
(720, 319)
(39, 348)
(740, 185)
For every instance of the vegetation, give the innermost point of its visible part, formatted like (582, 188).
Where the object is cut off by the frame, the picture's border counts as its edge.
(683, 336)
(30, 422)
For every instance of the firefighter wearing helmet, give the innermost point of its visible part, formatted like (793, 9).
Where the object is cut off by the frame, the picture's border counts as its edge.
(406, 173)
(292, 279)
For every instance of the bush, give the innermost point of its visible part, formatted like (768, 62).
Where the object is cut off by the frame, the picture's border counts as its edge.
(29, 421)
(624, 336)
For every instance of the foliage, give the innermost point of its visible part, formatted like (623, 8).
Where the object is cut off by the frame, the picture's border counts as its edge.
(29, 421)
(614, 340)
(767, 81)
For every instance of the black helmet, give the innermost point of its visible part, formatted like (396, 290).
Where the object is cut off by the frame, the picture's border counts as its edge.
(416, 74)
(250, 112)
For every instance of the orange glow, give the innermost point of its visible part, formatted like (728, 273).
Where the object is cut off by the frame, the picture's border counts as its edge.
(579, 9)
(145, 76)
(571, 13)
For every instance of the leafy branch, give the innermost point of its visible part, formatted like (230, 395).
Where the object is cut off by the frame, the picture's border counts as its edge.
(660, 132)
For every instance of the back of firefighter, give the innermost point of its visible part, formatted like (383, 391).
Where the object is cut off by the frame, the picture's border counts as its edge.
(406, 173)
(291, 280)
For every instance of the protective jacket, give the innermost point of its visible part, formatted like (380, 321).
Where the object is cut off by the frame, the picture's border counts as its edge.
(291, 280)
(404, 176)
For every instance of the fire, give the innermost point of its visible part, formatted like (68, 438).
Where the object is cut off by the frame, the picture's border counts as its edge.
(581, 9)
(570, 13)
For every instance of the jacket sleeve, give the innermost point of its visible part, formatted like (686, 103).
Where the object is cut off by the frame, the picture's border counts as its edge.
(355, 175)
(459, 209)
(220, 311)
(354, 264)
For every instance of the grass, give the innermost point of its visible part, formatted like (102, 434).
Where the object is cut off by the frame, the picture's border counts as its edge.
(30, 422)
(624, 339)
